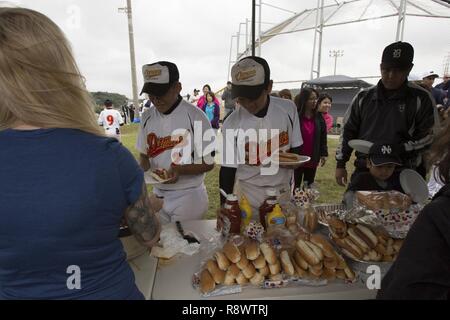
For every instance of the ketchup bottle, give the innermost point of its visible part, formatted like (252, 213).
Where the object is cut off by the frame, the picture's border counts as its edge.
(233, 214)
(267, 206)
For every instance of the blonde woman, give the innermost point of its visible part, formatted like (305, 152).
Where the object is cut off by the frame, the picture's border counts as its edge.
(64, 186)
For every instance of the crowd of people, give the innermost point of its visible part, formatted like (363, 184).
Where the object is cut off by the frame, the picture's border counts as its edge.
(66, 205)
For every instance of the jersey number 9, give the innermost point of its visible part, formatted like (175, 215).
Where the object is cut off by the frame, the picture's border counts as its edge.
(110, 120)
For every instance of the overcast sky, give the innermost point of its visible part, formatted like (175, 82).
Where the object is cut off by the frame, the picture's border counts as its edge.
(196, 35)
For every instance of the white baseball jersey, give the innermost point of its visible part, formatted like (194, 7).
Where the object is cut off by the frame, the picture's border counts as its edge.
(111, 120)
(281, 115)
(184, 136)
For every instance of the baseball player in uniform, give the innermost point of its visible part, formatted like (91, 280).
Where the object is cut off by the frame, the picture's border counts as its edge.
(111, 120)
(166, 141)
(251, 87)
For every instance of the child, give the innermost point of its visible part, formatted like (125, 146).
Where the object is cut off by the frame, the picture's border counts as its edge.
(111, 120)
(381, 175)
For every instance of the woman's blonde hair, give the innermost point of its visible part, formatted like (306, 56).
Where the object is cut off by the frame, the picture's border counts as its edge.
(40, 83)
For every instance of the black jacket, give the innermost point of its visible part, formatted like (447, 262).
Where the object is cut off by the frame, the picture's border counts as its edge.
(422, 268)
(406, 119)
(320, 138)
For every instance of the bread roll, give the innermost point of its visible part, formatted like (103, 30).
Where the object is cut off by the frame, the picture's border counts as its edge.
(252, 250)
(330, 263)
(286, 262)
(300, 261)
(268, 252)
(341, 264)
(217, 274)
(287, 157)
(242, 264)
(241, 279)
(351, 255)
(318, 267)
(264, 271)
(318, 252)
(233, 271)
(313, 276)
(340, 274)
(207, 283)
(380, 249)
(299, 271)
(229, 280)
(249, 271)
(349, 246)
(307, 252)
(338, 228)
(275, 268)
(259, 262)
(323, 244)
(329, 274)
(222, 260)
(232, 252)
(357, 240)
(276, 277)
(257, 279)
(367, 235)
(349, 273)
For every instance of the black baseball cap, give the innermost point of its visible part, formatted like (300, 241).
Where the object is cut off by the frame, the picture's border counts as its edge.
(249, 77)
(108, 103)
(383, 153)
(398, 55)
(158, 77)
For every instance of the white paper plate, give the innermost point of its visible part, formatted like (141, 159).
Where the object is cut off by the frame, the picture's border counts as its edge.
(300, 160)
(360, 145)
(149, 179)
(414, 185)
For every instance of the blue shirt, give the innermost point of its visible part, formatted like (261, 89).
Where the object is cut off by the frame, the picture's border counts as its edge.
(209, 110)
(62, 195)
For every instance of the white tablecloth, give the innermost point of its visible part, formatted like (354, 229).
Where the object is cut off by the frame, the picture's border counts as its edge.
(174, 280)
(144, 268)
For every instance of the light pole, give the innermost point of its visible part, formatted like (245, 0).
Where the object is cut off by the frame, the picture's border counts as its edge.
(128, 11)
(336, 54)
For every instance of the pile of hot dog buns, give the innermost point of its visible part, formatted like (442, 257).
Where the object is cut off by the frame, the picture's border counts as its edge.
(313, 257)
(383, 200)
(360, 242)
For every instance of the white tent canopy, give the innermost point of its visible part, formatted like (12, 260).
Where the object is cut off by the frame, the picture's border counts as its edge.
(335, 13)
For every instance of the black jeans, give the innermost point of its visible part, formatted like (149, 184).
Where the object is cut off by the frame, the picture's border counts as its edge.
(304, 175)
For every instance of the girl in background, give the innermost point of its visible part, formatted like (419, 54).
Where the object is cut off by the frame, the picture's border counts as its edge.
(314, 134)
(324, 106)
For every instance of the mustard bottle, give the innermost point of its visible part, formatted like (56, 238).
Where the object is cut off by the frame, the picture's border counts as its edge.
(246, 212)
(276, 217)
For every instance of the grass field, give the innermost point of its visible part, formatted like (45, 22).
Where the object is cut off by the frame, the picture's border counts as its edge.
(330, 192)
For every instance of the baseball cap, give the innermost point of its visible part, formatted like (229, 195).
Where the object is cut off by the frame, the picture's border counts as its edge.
(158, 77)
(249, 77)
(398, 55)
(108, 102)
(430, 74)
(382, 153)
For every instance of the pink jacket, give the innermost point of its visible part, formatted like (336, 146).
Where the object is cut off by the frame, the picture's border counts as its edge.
(202, 101)
(328, 120)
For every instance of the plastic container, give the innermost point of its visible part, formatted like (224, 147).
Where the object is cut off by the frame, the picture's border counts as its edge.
(276, 218)
(246, 212)
(267, 206)
(233, 214)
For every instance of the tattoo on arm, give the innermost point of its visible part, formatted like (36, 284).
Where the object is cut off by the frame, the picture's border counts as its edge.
(143, 161)
(142, 220)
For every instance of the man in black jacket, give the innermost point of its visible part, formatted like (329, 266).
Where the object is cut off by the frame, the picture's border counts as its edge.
(394, 110)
